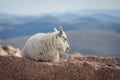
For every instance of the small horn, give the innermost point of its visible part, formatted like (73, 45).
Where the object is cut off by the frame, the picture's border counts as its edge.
(55, 29)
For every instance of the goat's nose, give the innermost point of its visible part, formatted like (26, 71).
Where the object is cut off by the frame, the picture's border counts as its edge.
(67, 48)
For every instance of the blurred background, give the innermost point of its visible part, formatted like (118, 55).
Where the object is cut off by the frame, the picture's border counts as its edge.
(92, 26)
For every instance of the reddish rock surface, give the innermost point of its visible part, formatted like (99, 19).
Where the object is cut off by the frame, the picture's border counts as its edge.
(82, 68)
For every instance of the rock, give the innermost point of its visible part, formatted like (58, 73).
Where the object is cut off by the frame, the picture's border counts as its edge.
(9, 51)
(81, 68)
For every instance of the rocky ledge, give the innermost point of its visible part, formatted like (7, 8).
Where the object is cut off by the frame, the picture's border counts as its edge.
(81, 68)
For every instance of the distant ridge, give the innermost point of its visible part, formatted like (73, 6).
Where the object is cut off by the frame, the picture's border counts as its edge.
(16, 26)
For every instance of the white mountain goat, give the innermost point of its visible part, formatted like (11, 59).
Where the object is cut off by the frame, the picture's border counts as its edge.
(46, 46)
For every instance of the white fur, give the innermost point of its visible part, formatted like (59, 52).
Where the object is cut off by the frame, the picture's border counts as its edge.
(46, 46)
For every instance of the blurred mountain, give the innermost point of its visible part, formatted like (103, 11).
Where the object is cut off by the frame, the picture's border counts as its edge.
(4, 15)
(87, 42)
(94, 42)
(17, 25)
(92, 12)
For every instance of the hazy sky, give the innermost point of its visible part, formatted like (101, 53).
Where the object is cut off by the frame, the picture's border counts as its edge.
(31, 7)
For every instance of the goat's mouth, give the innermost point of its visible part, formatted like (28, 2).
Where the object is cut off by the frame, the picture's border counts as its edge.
(61, 51)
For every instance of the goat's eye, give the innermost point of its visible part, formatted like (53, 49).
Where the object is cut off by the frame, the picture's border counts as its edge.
(65, 39)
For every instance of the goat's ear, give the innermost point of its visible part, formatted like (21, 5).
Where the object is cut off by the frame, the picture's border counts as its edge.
(60, 31)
